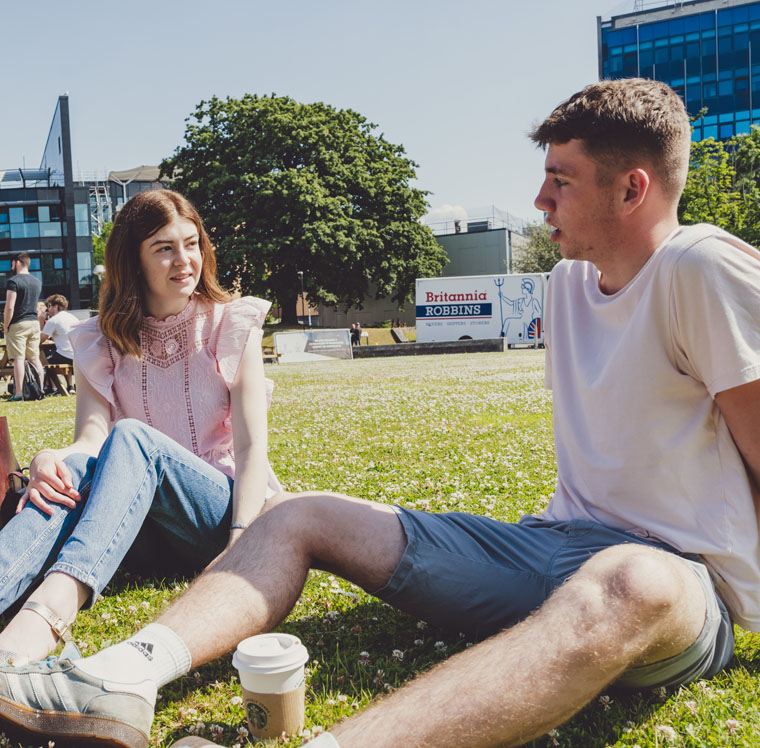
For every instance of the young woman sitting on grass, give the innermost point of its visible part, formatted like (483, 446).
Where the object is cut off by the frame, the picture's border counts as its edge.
(169, 378)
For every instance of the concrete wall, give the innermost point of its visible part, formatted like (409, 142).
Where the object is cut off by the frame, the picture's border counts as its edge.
(374, 312)
(475, 253)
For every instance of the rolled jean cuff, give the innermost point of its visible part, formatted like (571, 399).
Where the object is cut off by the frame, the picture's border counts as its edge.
(86, 579)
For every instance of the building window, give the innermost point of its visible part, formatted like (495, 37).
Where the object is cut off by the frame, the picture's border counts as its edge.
(82, 219)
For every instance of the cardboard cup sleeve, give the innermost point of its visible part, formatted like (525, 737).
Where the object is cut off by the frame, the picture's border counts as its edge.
(271, 714)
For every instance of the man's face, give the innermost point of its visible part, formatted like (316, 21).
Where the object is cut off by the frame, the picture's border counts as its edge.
(52, 309)
(580, 210)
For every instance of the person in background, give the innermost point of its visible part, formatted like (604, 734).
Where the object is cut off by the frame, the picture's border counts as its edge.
(57, 328)
(22, 326)
(42, 315)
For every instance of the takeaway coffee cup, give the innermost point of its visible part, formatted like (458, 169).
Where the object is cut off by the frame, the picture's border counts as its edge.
(193, 741)
(271, 669)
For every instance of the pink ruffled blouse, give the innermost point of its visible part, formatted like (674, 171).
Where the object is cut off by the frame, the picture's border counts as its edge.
(182, 384)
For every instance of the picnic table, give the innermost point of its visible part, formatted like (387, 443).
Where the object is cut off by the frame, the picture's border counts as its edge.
(58, 371)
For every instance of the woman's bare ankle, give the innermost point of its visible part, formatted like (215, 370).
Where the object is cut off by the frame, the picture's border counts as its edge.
(29, 633)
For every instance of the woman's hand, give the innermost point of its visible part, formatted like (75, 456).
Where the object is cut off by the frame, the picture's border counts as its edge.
(49, 481)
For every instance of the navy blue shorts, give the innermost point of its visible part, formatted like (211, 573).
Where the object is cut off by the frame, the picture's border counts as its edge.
(477, 575)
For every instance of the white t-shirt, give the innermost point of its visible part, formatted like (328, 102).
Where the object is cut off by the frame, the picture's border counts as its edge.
(641, 445)
(58, 328)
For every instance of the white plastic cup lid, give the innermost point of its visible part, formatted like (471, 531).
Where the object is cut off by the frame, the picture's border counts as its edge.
(269, 653)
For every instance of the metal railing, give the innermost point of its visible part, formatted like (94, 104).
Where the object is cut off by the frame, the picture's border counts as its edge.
(480, 219)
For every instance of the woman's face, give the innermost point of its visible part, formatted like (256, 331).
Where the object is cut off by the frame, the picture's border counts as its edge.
(171, 265)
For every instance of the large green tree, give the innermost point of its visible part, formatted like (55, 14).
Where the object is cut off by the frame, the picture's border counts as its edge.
(710, 194)
(745, 157)
(99, 244)
(285, 187)
(540, 254)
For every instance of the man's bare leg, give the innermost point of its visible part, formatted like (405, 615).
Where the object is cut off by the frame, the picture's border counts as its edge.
(259, 580)
(18, 375)
(629, 605)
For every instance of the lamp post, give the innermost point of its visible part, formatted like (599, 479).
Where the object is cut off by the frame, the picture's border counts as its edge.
(304, 308)
(300, 277)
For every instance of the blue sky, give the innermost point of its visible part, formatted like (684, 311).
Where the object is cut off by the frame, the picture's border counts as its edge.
(457, 83)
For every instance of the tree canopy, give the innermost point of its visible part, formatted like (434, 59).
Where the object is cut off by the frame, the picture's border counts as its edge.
(99, 244)
(285, 187)
(723, 185)
(540, 254)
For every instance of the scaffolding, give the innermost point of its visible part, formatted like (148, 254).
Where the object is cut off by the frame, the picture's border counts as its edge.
(101, 209)
(639, 5)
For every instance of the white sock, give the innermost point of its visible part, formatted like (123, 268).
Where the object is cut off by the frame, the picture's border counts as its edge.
(324, 740)
(155, 653)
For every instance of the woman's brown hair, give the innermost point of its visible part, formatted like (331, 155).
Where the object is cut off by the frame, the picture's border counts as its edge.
(122, 306)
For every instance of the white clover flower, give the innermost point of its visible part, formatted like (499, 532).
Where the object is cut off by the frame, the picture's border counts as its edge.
(397, 654)
(236, 700)
(666, 731)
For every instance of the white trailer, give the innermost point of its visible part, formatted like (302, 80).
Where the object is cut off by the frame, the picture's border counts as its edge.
(482, 306)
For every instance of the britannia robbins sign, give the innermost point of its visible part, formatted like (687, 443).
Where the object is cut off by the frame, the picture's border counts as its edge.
(474, 305)
(481, 306)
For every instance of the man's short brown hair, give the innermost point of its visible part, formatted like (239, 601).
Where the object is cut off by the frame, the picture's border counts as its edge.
(58, 300)
(625, 123)
(22, 258)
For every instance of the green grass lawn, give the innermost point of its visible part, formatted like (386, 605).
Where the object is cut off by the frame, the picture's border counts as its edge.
(461, 432)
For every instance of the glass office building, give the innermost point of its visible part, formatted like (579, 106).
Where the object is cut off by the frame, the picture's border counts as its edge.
(707, 50)
(43, 213)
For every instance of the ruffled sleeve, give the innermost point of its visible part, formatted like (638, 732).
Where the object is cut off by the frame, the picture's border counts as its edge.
(240, 318)
(94, 357)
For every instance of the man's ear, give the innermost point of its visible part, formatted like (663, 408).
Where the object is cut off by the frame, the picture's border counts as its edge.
(635, 186)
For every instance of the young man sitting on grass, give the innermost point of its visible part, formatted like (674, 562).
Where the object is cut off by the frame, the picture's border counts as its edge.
(649, 548)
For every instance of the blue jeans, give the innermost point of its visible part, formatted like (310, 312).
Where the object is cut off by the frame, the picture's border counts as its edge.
(140, 476)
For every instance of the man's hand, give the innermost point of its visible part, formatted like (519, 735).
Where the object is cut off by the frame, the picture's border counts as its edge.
(49, 481)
